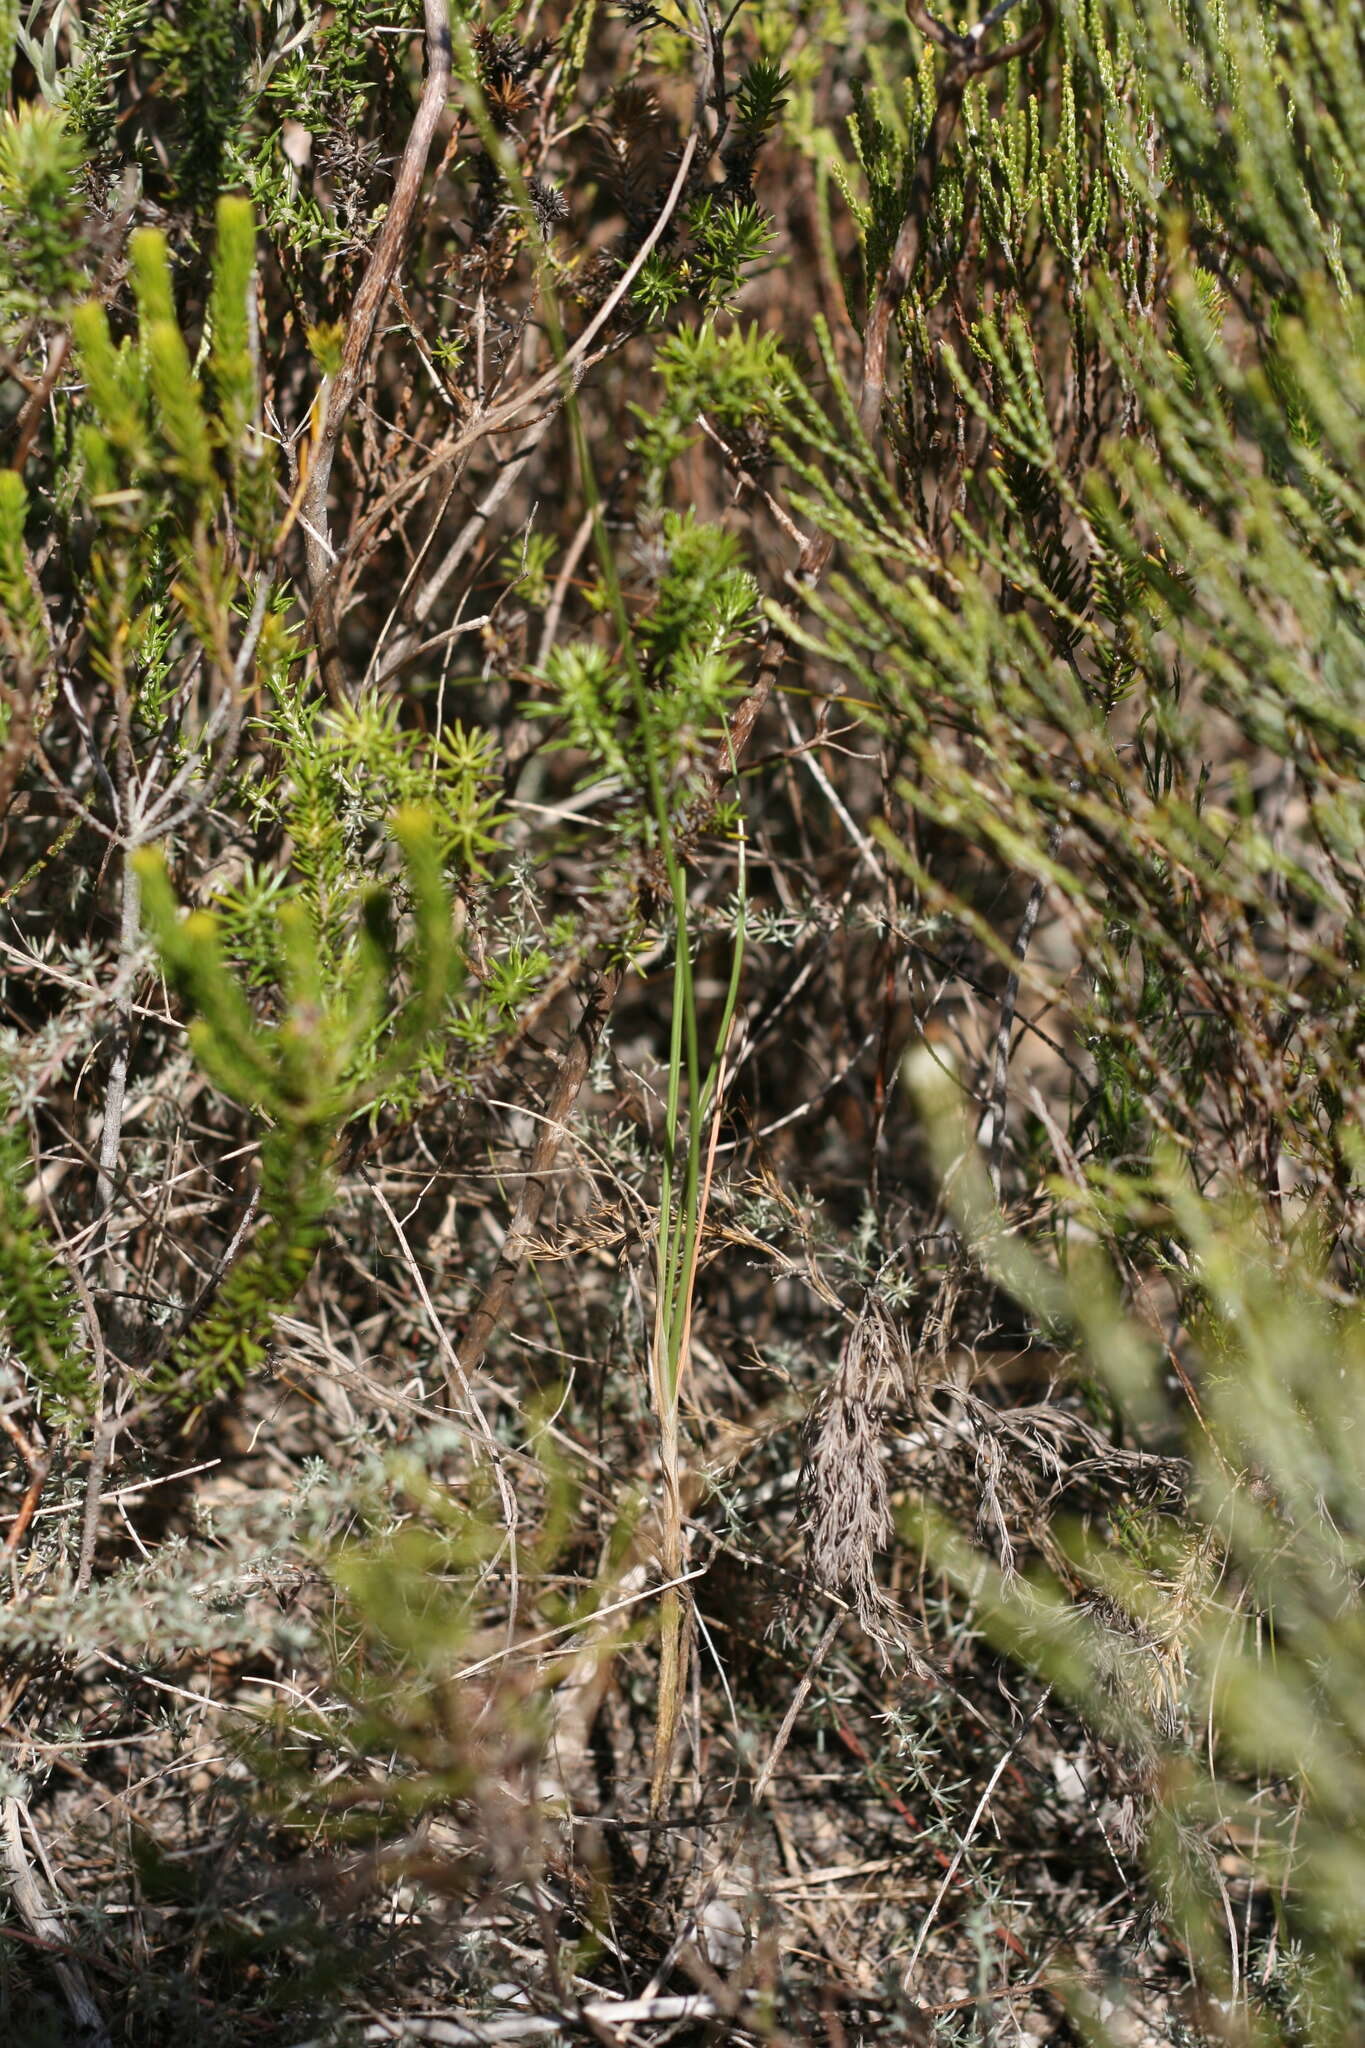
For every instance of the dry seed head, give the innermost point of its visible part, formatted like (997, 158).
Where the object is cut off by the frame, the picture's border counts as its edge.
(847, 1509)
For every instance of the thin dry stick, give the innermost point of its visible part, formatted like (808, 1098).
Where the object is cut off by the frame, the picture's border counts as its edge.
(973, 1824)
(101, 1457)
(111, 1131)
(106, 1428)
(573, 1072)
(725, 1864)
(568, 1628)
(39, 398)
(568, 569)
(38, 1464)
(338, 395)
(991, 1136)
(506, 1491)
(47, 1927)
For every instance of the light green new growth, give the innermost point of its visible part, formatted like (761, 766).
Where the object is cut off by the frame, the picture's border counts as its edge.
(41, 215)
(24, 631)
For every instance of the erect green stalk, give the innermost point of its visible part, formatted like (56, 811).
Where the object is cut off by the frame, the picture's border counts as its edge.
(700, 1098)
(678, 1237)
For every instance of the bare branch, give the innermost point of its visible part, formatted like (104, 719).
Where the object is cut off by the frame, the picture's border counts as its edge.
(374, 290)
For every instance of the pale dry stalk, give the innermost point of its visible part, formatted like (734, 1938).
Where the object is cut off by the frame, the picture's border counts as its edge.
(673, 1546)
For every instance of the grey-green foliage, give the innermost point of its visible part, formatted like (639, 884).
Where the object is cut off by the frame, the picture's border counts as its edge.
(1148, 573)
(343, 1041)
(1220, 1649)
(1122, 653)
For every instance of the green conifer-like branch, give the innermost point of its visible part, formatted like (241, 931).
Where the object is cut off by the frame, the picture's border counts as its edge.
(334, 1052)
(38, 1313)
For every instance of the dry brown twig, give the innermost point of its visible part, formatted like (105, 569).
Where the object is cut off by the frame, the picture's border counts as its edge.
(37, 1462)
(338, 395)
(573, 1072)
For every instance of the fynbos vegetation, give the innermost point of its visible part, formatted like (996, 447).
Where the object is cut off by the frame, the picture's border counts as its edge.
(682, 935)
